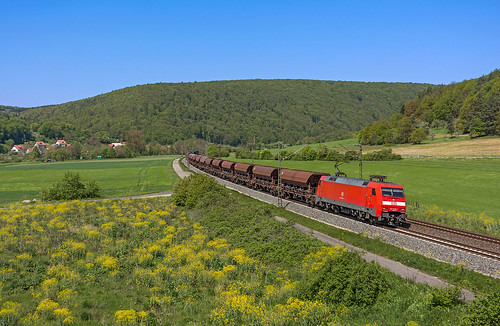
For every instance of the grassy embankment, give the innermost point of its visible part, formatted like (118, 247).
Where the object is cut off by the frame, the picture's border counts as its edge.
(116, 177)
(226, 261)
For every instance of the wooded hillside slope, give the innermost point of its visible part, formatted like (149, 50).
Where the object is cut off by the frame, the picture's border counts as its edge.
(233, 112)
(469, 107)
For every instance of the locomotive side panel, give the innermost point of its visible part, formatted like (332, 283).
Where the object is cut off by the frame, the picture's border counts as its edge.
(347, 193)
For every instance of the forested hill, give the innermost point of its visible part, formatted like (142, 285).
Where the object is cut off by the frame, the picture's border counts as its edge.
(233, 111)
(471, 106)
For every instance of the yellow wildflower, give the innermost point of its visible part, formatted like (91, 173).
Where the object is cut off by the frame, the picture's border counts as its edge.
(47, 305)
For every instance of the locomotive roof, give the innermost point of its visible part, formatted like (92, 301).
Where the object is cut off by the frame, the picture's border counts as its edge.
(353, 181)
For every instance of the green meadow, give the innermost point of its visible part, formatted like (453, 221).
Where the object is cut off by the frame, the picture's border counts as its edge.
(461, 185)
(117, 177)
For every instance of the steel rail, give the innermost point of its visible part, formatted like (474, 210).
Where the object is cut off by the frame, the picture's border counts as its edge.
(449, 243)
(449, 229)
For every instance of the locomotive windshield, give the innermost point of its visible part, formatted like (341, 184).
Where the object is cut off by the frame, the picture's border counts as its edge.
(392, 192)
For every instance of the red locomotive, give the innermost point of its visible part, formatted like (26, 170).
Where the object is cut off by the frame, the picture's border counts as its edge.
(374, 200)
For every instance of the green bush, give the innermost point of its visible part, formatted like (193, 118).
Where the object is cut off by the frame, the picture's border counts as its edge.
(69, 188)
(418, 135)
(484, 311)
(382, 155)
(265, 155)
(345, 280)
(444, 297)
(351, 156)
(188, 191)
(217, 151)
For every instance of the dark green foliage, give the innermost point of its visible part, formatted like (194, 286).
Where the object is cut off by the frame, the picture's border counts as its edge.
(124, 152)
(375, 133)
(135, 142)
(60, 154)
(445, 297)
(215, 151)
(108, 152)
(15, 129)
(403, 130)
(382, 155)
(351, 156)
(484, 311)
(346, 280)
(418, 135)
(189, 191)
(265, 155)
(245, 154)
(306, 154)
(230, 112)
(252, 228)
(69, 188)
(477, 128)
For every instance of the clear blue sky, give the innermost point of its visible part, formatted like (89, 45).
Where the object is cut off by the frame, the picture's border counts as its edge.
(58, 51)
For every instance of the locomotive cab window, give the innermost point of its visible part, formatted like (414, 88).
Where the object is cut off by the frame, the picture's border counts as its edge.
(373, 192)
(393, 192)
(398, 193)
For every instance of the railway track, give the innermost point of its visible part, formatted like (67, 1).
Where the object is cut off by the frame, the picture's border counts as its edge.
(479, 244)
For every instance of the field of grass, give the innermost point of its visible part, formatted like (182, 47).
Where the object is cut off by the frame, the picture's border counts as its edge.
(461, 185)
(116, 177)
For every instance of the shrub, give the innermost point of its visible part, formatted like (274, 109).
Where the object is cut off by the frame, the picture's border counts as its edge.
(217, 151)
(334, 155)
(306, 154)
(351, 156)
(418, 135)
(444, 297)
(382, 155)
(484, 310)
(70, 187)
(188, 191)
(266, 155)
(345, 280)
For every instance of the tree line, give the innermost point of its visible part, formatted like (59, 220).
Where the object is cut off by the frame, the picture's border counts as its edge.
(323, 153)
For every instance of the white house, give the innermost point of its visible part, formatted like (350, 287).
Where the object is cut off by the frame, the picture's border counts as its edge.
(17, 149)
(41, 146)
(113, 145)
(60, 143)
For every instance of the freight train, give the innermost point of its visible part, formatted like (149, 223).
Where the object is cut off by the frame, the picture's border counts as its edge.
(374, 201)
